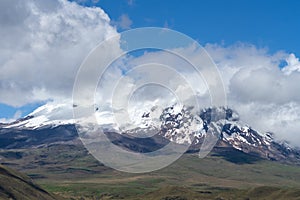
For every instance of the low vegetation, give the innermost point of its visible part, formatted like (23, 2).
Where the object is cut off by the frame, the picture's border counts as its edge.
(70, 172)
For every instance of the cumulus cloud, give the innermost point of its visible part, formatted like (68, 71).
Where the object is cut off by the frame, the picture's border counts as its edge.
(42, 46)
(293, 64)
(265, 95)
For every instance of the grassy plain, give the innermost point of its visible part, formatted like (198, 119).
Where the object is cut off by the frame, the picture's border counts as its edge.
(69, 171)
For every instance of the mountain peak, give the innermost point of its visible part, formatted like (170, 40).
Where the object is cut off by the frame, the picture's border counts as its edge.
(179, 124)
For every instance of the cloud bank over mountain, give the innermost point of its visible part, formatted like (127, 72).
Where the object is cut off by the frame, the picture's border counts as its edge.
(260, 89)
(44, 42)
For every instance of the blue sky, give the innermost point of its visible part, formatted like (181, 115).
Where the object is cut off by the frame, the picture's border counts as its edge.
(13, 112)
(271, 24)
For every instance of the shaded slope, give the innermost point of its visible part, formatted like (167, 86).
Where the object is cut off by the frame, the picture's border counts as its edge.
(14, 185)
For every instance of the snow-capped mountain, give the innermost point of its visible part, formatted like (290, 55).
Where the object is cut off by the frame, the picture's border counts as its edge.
(179, 124)
(48, 115)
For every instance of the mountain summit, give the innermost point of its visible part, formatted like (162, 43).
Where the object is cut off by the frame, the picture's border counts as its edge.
(49, 124)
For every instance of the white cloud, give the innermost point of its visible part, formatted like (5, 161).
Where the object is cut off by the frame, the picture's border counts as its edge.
(123, 22)
(293, 64)
(266, 96)
(42, 46)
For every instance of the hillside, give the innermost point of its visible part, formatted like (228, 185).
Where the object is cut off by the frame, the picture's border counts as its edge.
(68, 170)
(16, 186)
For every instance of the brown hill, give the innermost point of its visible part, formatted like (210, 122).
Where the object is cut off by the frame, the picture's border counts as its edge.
(14, 185)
